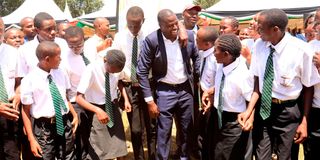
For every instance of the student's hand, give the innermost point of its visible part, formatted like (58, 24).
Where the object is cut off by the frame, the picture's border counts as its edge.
(301, 133)
(243, 120)
(316, 60)
(35, 148)
(7, 111)
(15, 101)
(245, 52)
(153, 109)
(74, 123)
(207, 101)
(127, 106)
(102, 116)
(248, 125)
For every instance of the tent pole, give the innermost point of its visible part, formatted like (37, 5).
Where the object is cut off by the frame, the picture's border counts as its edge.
(117, 16)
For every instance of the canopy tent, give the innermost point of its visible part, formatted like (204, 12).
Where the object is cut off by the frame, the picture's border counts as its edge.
(246, 8)
(67, 12)
(108, 10)
(30, 8)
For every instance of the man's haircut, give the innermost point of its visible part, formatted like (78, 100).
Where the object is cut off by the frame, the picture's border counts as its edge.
(164, 13)
(211, 34)
(40, 17)
(135, 12)
(276, 17)
(115, 58)
(234, 21)
(74, 31)
(22, 22)
(46, 48)
(229, 43)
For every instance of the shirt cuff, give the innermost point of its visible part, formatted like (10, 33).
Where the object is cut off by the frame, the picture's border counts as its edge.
(148, 99)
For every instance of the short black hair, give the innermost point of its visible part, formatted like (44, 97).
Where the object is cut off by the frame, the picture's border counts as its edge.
(164, 13)
(116, 58)
(234, 21)
(40, 17)
(229, 43)
(276, 17)
(135, 12)
(46, 48)
(74, 31)
(305, 24)
(211, 34)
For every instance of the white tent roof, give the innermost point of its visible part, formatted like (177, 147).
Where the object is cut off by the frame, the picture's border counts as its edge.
(30, 8)
(67, 12)
(108, 10)
(247, 7)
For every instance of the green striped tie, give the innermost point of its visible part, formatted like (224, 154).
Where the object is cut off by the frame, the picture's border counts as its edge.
(220, 102)
(266, 96)
(57, 103)
(3, 92)
(85, 59)
(134, 60)
(108, 104)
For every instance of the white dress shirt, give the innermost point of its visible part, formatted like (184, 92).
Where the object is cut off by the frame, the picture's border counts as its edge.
(92, 83)
(315, 45)
(8, 63)
(209, 70)
(35, 91)
(123, 41)
(74, 66)
(237, 88)
(175, 68)
(27, 58)
(90, 48)
(292, 63)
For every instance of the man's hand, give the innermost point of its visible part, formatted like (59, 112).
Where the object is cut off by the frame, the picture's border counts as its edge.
(316, 60)
(127, 106)
(102, 116)
(7, 111)
(207, 101)
(245, 120)
(183, 35)
(153, 109)
(35, 148)
(15, 101)
(301, 133)
(74, 123)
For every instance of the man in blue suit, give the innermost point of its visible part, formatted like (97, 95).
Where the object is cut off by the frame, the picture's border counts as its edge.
(173, 76)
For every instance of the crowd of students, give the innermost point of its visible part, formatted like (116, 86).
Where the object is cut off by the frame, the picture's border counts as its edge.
(61, 96)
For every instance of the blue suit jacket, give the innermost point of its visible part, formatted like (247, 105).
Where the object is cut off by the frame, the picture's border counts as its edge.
(153, 56)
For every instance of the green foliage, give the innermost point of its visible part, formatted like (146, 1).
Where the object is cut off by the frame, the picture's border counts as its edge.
(78, 6)
(205, 3)
(8, 6)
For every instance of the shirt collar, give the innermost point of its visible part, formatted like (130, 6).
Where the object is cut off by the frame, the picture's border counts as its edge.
(208, 52)
(168, 40)
(280, 46)
(43, 74)
(132, 36)
(227, 69)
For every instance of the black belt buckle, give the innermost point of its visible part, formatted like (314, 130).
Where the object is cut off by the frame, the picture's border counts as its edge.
(53, 120)
(283, 102)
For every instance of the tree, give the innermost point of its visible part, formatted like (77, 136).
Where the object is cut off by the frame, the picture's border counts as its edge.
(205, 3)
(8, 6)
(78, 6)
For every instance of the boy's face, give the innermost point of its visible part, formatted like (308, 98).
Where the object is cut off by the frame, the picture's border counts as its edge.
(54, 61)
(134, 24)
(47, 31)
(111, 69)
(76, 44)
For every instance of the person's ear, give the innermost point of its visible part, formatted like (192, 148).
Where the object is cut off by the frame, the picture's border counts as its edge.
(276, 29)
(47, 58)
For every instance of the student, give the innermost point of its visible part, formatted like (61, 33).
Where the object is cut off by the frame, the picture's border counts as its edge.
(13, 37)
(232, 90)
(129, 41)
(74, 62)
(97, 93)
(43, 95)
(282, 67)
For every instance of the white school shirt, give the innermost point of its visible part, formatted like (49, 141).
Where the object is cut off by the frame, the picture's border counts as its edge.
(8, 61)
(209, 70)
(74, 67)
(123, 41)
(237, 88)
(175, 68)
(315, 45)
(90, 48)
(35, 91)
(292, 63)
(27, 58)
(92, 83)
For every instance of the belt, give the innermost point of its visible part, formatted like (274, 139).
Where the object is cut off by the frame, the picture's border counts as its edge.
(52, 120)
(180, 85)
(286, 102)
(135, 84)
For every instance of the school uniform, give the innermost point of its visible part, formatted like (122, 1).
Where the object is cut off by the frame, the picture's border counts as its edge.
(138, 117)
(233, 88)
(105, 142)
(90, 47)
(35, 91)
(9, 147)
(293, 69)
(74, 66)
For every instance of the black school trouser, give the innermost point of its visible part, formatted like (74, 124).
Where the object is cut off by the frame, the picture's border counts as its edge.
(9, 146)
(276, 133)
